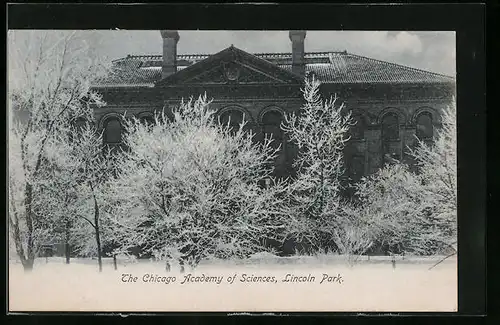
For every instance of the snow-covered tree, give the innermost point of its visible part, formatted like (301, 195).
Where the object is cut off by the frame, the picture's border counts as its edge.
(92, 170)
(320, 132)
(79, 173)
(352, 234)
(190, 187)
(49, 78)
(58, 194)
(437, 169)
(390, 203)
(415, 212)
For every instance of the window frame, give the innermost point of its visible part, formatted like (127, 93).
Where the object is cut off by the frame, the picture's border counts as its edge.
(358, 118)
(431, 120)
(264, 125)
(229, 113)
(105, 128)
(383, 126)
(147, 121)
(351, 169)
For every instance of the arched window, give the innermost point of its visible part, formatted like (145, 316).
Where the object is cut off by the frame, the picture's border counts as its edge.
(80, 124)
(424, 126)
(390, 127)
(271, 125)
(233, 117)
(146, 120)
(113, 131)
(77, 129)
(357, 131)
(357, 167)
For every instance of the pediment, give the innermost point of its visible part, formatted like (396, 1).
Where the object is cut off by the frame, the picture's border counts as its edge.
(231, 66)
(232, 72)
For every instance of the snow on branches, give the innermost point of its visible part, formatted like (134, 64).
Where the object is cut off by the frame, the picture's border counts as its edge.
(48, 89)
(188, 186)
(389, 204)
(320, 132)
(415, 212)
(437, 165)
(191, 186)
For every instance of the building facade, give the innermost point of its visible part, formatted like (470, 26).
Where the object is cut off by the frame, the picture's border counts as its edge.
(391, 103)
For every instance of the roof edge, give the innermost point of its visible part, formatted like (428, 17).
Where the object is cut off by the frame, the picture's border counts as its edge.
(201, 55)
(403, 66)
(325, 53)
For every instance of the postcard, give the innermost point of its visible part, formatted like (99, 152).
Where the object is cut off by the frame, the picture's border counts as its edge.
(232, 171)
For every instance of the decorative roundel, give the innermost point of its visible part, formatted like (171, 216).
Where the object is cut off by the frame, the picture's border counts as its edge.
(231, 71)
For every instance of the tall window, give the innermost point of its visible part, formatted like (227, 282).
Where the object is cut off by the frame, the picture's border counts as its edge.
(233, 117)
(80, 124)
(146, 120)
(357, 167)
(271, 124)
(390, 132)
(113, 131)
(357, 131)
(424, 126)
(390, 127)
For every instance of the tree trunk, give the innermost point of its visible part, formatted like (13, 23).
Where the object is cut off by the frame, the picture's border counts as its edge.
(181, 264)
(18, 241)
(30, 258)
(98, 238)
(67, 250)
(28, 264)
(322, 197)
(114, 262)
(97, 230)
(67, 247)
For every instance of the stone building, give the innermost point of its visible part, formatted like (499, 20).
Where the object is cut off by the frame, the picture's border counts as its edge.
(391, 103)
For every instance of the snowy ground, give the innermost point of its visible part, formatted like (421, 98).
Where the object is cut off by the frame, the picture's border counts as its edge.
(323, 283)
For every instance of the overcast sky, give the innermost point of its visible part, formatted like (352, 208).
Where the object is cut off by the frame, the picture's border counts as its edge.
(432, 51)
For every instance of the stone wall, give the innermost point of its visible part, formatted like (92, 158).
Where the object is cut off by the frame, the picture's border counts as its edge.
(371, 103)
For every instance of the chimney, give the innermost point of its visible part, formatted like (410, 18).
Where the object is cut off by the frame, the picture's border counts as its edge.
(298, 62)
(169, 64)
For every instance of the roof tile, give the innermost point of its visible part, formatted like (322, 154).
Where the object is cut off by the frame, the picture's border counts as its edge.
(328, 67)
